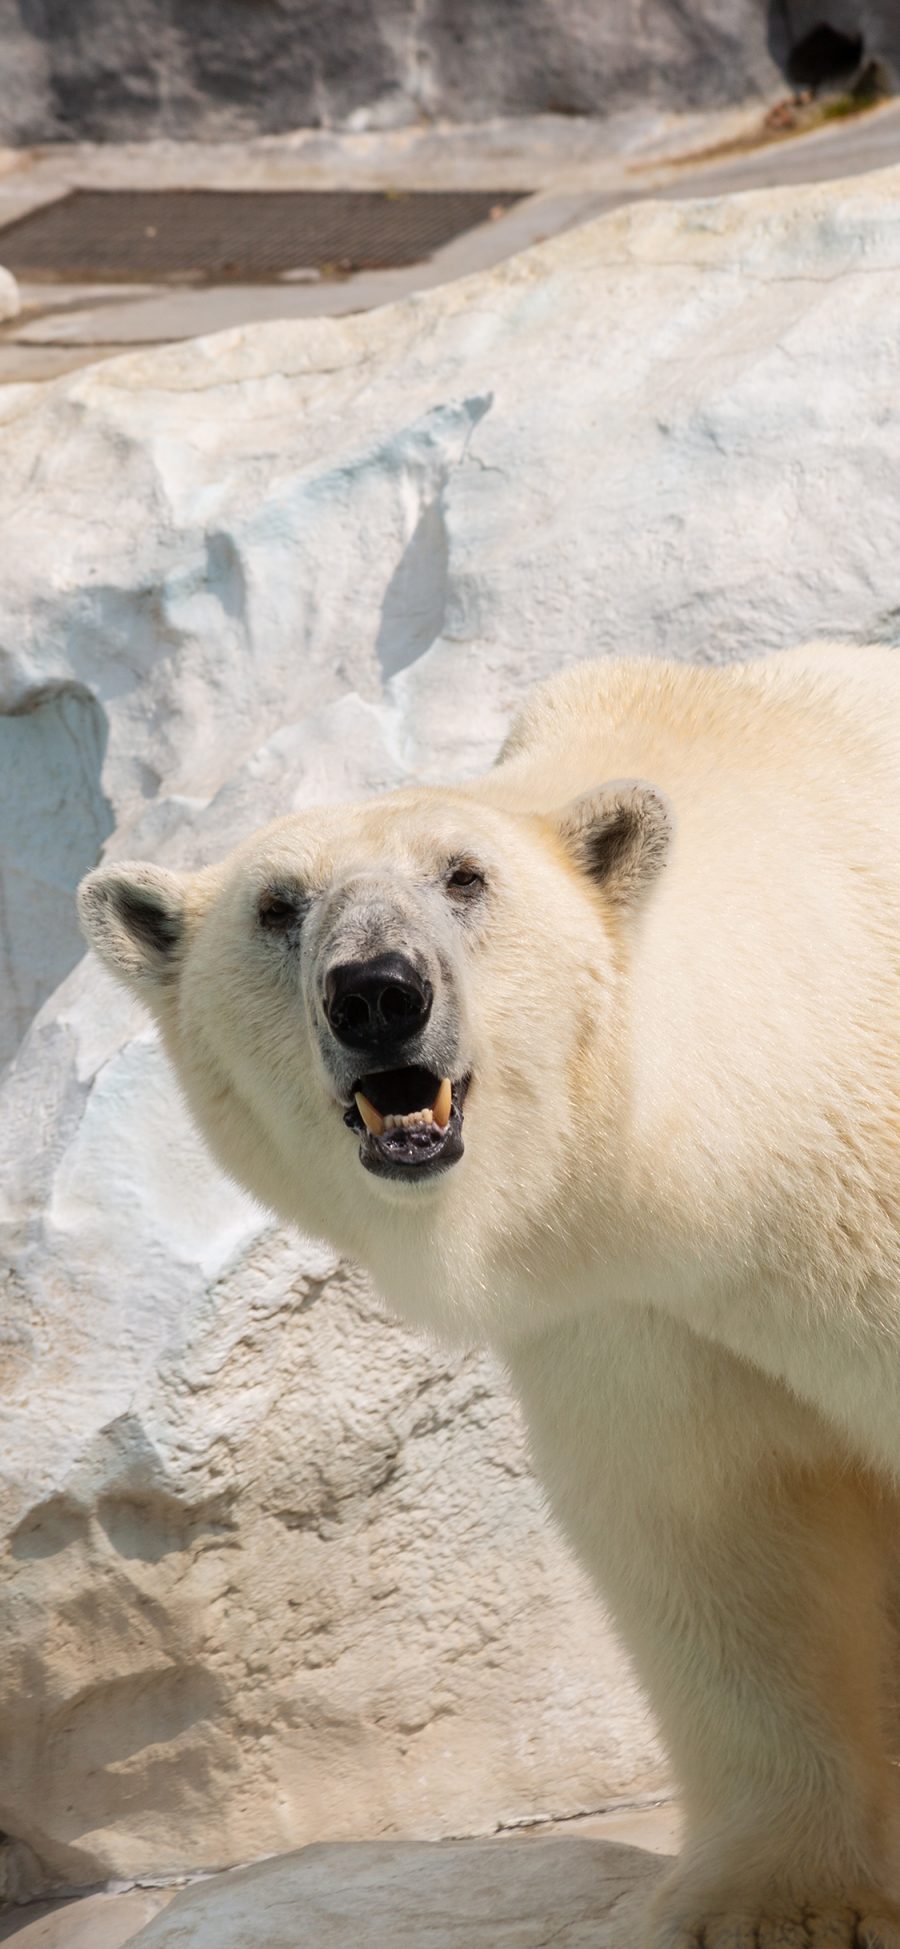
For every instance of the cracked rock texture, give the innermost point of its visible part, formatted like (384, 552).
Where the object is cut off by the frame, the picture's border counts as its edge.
(525, 1894)
(273, 1571)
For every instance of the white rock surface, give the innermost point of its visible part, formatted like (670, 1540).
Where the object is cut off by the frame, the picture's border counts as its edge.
(275, 1572)
(466, 1895)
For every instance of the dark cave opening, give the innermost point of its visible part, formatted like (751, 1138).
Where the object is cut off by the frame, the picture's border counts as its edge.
(824, 57)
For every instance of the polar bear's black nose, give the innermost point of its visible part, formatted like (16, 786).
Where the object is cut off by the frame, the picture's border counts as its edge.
(382, 1001)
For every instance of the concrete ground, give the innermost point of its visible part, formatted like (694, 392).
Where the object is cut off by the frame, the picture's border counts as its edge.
(110, 1920)
(574, 169)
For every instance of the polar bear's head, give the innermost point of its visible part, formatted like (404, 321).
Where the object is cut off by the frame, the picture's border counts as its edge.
(406, 1008)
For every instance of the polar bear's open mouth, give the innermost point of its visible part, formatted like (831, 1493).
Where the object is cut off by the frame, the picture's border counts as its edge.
(410, 1121)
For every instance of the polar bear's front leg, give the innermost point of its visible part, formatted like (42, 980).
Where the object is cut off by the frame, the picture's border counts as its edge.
(744, 1560)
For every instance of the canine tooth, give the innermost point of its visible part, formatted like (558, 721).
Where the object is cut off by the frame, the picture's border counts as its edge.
(443, 1102)
(371, 1117)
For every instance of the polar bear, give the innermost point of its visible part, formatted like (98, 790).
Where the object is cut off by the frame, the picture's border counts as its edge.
(596, 1060)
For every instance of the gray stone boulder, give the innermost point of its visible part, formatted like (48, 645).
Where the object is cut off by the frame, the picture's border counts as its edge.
(577, 1894)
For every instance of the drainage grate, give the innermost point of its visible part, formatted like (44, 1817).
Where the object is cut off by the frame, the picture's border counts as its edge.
(211, 236)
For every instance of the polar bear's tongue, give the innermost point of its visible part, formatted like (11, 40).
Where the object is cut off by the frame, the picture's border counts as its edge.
(436, 1112)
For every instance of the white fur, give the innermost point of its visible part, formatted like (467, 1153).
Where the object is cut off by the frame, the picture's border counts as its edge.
(677, 1218)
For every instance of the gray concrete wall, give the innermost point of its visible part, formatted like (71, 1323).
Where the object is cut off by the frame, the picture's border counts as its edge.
(139, 68)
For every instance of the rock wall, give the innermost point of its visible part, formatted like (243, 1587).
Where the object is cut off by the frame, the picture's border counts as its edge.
(120, 69)
(273, 1571)
(117, 69)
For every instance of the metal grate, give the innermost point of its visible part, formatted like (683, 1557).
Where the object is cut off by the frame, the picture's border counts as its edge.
(212, 236)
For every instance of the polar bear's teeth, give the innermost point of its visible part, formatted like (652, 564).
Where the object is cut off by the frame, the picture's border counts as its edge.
(371, 1117)
(439, 1113)
(443, 1102)
(415, 1118)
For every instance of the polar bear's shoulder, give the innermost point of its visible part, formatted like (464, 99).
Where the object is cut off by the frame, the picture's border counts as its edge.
(620, 717)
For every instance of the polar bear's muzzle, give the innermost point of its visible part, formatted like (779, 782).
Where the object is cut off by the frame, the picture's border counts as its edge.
(392, 1022)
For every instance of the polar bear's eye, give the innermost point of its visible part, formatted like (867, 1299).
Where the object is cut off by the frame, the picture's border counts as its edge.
(465, 878)
(279, 911)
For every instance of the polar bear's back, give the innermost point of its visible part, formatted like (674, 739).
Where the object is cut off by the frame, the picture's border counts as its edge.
(814, 720)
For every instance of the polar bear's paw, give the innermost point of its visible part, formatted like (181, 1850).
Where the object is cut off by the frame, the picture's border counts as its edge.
(799, 1928)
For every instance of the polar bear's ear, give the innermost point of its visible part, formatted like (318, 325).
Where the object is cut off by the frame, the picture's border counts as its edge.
(133, 915)
(619, 836)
